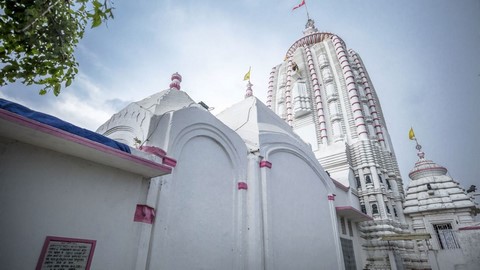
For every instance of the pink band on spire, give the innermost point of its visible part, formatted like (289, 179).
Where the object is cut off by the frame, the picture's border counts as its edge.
(176, 80)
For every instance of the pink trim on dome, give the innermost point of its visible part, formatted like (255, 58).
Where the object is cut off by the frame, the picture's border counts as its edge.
(176, 76)
(435, 168)
(310, 40)
(176, 80)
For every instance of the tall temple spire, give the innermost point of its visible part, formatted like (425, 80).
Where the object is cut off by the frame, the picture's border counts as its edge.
(335, 108)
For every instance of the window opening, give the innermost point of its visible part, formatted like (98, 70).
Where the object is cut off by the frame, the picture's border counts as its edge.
(342, 224)
(446, 236)
(368, 180)
(350, 229)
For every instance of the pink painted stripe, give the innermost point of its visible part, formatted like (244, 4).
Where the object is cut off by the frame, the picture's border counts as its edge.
(242, 185)
(144, 214)
(154, 150)
(161, 153)
(32, 124)
(169, 161)
(265, 163)
(427, 169)
(469, 228)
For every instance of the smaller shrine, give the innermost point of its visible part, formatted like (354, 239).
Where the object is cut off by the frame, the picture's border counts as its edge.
(436, 204)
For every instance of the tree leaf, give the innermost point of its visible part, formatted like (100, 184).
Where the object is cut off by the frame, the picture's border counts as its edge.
(56, 89)
(96, 20)
(38, 39)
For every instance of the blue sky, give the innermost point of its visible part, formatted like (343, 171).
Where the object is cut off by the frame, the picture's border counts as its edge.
(423, 57)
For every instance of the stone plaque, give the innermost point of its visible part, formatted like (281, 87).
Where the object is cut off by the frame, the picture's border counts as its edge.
(66, 253)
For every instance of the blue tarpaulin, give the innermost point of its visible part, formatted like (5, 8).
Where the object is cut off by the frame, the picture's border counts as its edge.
(60, 124)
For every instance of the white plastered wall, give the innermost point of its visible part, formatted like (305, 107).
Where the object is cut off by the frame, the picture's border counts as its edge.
(46, 193)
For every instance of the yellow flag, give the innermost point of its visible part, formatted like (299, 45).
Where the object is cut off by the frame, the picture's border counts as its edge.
(247, 76)
(411, 134)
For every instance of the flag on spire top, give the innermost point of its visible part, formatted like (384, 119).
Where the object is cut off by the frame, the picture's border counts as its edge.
(247, 76)
(411, 134)
(299, 5)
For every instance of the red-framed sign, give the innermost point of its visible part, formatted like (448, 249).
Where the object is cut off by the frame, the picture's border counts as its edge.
(66, 253)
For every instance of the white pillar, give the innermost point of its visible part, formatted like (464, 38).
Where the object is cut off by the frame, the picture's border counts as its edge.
(254, 234)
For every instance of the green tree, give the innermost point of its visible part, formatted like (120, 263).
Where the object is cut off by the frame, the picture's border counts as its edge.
(38, 39)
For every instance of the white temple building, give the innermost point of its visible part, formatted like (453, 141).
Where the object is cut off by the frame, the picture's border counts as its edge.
(241, 191)
(308, 181)
(437, 205)
(322, 90)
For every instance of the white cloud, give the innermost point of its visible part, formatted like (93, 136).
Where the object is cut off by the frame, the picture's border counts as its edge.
(423, 78)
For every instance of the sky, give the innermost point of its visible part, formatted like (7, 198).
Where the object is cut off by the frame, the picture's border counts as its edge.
(423, 57)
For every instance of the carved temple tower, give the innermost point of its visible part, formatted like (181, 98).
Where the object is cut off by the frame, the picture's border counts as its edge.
(324, 93)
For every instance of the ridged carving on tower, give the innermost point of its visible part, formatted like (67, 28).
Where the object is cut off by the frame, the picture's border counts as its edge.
(371, 102)
(346, 130)
(318, 98)
(288, 93)
(270, 88)
(351, 87)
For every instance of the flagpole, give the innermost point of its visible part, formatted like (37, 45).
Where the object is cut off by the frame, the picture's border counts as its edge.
(306, 8)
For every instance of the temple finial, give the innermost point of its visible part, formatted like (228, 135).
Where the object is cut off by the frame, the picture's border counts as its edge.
(420, 154)
(310, 27)
(249, 91)
(411, 136)
(176, 80)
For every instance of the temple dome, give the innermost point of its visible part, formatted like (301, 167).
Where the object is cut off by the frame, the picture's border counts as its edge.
(431, 189)
(255, 122)
(424, 168)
